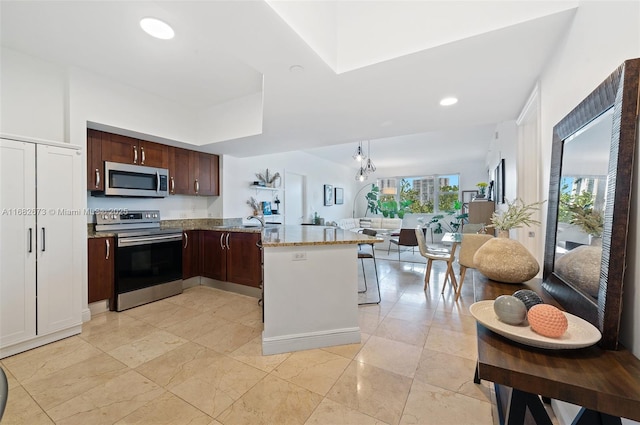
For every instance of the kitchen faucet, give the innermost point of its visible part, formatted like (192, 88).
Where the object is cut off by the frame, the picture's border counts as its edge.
(255, 217)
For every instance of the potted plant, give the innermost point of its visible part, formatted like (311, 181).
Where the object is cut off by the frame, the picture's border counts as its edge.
(254, 205)
(517, 214)
(590, 221)
(372, 200)
(267, 179)
(482, 189)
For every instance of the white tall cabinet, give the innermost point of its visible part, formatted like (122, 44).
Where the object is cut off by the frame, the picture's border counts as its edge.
(42, 227)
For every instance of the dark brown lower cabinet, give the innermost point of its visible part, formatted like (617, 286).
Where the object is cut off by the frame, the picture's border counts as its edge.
(101, 267)
(232, 257)
(191, 254)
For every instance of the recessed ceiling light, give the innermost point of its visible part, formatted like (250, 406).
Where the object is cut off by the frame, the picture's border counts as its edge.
(448, 101)
(296, 68)
(157, 28)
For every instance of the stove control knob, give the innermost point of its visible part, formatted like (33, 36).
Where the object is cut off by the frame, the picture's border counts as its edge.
(104, 217)
(114, 216)
(155, 215)
(147, 215)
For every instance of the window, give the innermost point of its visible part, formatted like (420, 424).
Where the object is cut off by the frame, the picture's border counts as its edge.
(430, 194)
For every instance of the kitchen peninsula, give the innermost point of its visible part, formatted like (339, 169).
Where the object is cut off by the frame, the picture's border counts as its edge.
(310, 287)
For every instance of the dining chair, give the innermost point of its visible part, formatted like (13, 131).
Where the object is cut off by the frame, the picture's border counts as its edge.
(368, 254)
(406, 237)
(468, 247)
(448, 256)
(4, 392)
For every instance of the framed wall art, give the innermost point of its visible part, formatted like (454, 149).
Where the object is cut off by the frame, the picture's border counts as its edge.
(328, 194)
(500, 182)
(339, 196)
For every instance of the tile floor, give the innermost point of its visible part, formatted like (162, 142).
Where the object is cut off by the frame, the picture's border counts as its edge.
(196, 359)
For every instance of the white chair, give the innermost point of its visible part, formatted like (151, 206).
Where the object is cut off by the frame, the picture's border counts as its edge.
(447, 256)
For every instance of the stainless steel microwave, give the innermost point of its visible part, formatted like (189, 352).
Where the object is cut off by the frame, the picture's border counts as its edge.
(135, 180)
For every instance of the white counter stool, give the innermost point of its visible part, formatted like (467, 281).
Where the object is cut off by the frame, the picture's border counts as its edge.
(362, 254)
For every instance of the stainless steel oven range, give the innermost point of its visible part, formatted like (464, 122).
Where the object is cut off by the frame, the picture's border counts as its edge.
(148, 259)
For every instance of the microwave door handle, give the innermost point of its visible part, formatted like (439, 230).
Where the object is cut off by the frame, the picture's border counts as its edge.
(157, 181)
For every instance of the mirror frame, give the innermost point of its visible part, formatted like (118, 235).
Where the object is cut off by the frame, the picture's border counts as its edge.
(620, 91)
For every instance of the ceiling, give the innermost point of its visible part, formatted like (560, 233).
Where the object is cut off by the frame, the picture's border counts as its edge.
(371, 70)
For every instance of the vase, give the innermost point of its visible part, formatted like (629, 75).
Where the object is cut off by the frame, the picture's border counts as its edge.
(506, 260)
(503, 234)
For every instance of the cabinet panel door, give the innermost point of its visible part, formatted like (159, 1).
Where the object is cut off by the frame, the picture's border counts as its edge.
(121, 149)
(190, 254)
(207, 174)
(17, 250)
(244, 259)
(214, 254)
(101, 269)
(95, 167)
(60, 238)
(153, 154)
(179, 172)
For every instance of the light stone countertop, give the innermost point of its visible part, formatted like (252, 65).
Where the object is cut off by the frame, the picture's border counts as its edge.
(312, 235)
(272, 236)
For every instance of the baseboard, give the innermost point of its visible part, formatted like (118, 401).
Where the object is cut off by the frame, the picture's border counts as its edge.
(87, 313)
(232, 287)
(307, 341)
(39, 341)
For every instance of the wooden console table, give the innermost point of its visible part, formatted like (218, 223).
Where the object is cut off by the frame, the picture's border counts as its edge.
(605, 383)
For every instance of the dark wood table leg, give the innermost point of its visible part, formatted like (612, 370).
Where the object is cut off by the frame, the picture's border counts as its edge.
(591, 417)
(476, 376)
(517, 406)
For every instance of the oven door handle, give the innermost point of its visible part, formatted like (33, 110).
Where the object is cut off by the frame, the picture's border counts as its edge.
(148, 240)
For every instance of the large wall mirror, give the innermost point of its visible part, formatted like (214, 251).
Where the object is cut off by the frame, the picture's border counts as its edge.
(589, 200)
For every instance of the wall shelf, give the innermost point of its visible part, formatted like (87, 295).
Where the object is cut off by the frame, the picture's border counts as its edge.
(270, 189)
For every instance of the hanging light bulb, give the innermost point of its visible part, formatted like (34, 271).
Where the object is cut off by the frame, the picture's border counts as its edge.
(359, 155)
(361, 175)
(369, 168)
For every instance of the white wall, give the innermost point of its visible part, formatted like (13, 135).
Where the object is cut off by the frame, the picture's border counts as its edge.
(240, 173)
(32, 97)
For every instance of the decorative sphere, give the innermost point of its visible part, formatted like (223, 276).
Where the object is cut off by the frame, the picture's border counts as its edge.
(528, 297)
(509, 309)
(547, 320)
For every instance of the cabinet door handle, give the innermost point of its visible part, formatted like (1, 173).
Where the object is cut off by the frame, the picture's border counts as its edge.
(108, 245)
(43, 238)
(30, 240)
(143, 156)
(197, 186)
(186, 239)
(259, 243)
(97, 178)
(221, 243)
(135, 154)
(227, 241)
(173, 185)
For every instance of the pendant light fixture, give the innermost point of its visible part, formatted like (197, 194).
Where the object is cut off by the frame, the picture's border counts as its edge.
(369, 168)
(361, 175)
(359, 155)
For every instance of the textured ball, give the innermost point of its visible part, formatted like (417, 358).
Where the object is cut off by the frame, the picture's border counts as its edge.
(509, 309)
(528, 297)
(547, 320)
